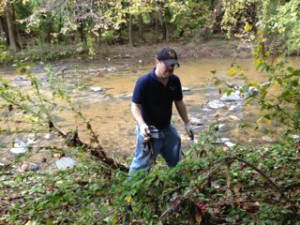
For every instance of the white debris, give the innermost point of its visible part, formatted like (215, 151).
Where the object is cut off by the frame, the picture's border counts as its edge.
(185, 89)
(233, 108)
(294, 136)
(20, 147)
(31, 139)
(96, 89)
(65, 163)
(111, 69)
(229, 144)
(49, 136)
(268, 139)
(222, 127)
(196, 121)
(24, 167)
(251, 92)
(222, 140)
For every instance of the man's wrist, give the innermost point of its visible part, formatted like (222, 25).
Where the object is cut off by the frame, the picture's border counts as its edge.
(143, 124)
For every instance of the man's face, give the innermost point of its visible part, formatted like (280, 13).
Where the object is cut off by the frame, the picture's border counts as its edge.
(163, 70)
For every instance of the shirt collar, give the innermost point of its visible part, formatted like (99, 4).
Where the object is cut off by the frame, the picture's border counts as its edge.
(153, 75)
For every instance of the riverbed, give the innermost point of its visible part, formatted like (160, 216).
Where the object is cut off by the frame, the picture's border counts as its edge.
(102, 91)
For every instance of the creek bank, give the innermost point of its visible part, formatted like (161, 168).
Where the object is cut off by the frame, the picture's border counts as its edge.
(216, 47)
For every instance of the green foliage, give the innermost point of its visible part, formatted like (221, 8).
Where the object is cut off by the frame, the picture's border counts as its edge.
(5, 56)
(108, 36)
(108, 21)
(195, 190)
(279, 20)
(34, 105)
(279, 97)
(287, 26)
(212, 184)
(193, 18)
(48, 52)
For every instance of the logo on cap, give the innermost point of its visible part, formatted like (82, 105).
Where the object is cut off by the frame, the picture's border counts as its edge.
(172, 54)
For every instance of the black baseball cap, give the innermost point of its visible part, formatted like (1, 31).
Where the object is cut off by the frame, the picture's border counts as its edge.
(168, 56)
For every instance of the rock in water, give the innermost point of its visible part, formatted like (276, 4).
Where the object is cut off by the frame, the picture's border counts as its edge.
(233, 96)
(96, 89)
(33, 166)
(216, 104)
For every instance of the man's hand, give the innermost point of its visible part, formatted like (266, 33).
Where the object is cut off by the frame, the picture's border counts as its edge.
(189, 130)
(145, 131)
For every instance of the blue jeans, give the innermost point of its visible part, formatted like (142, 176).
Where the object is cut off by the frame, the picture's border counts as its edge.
(168, 144)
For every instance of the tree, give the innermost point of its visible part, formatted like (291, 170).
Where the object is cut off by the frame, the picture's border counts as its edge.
(275, 34)
(11, 28)
(279, 20)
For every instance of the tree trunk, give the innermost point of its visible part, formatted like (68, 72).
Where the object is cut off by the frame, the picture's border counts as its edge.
(140, 25)
(80, 29)
(13, 41)
(161, 20)
(3, 32)
(156, 29)
(99, 32)
(130, 35)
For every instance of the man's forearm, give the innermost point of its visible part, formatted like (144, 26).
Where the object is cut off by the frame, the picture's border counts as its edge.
(180, 106)
(137, 114)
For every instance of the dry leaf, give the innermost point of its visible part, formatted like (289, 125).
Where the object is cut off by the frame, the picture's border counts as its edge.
(198, 218)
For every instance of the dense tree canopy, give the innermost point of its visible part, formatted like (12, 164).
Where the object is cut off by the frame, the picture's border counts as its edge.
(30, 22)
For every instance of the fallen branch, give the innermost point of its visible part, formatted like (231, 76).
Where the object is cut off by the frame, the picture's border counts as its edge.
(72, 140)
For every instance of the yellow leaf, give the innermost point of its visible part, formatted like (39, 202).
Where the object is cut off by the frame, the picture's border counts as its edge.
(268, 122)
(115, 219)
(129, 199)
(254, 83)
(237, 188)
(198, 218)
(247, 28)
(276, 84)
(267, 53)
(232, 72)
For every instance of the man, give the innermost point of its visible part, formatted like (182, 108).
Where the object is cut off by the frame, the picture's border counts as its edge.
(152, 100)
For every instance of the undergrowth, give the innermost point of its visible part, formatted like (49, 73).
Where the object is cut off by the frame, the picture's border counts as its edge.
(210, 186)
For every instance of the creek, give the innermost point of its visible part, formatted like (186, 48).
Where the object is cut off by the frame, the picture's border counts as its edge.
(102, 91)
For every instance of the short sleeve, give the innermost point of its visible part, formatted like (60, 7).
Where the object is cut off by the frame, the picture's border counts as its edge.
(138, 96)
(179, 95)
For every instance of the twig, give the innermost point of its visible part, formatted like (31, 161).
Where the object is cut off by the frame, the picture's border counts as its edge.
(177, 202)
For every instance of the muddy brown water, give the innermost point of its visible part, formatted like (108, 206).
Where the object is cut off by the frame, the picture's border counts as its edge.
(109, 108)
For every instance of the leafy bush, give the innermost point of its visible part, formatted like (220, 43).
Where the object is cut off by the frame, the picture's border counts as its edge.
(210, 186)
(5, 56)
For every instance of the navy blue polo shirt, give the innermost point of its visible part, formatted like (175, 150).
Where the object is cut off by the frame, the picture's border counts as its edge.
(156, 99)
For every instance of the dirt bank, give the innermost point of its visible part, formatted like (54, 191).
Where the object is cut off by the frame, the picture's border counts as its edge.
(214, 48)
